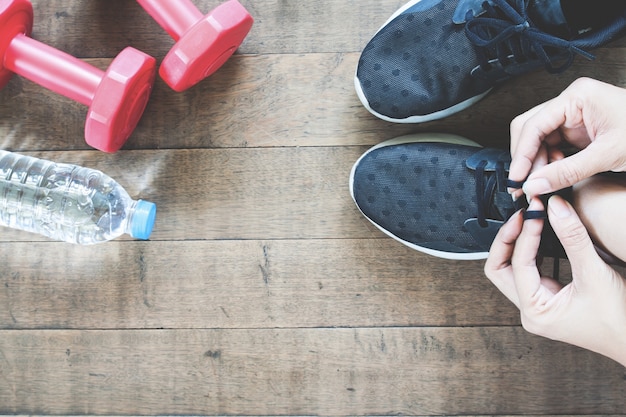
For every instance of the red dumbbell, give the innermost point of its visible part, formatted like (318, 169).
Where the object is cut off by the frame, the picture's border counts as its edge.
(116, 98)
(203, 43)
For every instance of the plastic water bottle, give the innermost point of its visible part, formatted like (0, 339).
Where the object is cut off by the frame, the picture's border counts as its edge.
(67, 202)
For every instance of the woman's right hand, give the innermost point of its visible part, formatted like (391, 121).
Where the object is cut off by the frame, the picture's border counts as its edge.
(591, 116)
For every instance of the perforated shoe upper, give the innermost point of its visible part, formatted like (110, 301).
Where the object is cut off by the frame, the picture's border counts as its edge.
(436, 57)
(444, 198)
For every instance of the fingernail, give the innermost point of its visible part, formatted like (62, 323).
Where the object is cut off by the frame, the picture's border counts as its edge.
(559, 207)
(535, 205)
(513, 216)
(515, 193)
(536, 186)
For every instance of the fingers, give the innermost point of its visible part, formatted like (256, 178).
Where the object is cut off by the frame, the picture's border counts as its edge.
(584, 259)
(588, 116)
(526, 276)
(512, 261)
(528, 133)
(536, 150)
(498, 265)
(518, 123)
(565, 172)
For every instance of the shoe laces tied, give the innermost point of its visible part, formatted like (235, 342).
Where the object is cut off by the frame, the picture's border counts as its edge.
(507, 36)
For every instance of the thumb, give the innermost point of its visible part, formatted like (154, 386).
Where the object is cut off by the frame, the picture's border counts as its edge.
(566, 172)
(573, 235)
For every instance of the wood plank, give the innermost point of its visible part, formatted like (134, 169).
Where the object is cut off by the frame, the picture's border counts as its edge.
(253, 193)
(284, 27)
(263, 290)
(278, 100)
(280, 26)
(260, 193)
(242, 284)
(412, 371)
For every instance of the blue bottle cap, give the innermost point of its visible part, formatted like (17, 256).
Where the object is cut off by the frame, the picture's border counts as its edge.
(142, 220)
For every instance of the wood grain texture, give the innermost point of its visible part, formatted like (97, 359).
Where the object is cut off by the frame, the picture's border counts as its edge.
(257, 101)
(263, 291)
(240, 284)
(303, 372)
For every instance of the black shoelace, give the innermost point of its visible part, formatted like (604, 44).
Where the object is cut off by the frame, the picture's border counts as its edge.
(506, 37)
(488, 185)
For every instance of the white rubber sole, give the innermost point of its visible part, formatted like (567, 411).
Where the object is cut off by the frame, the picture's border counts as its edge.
(414, 138)
(417, 118)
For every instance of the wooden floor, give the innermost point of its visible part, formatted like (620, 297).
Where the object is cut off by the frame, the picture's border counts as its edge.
(262, 290)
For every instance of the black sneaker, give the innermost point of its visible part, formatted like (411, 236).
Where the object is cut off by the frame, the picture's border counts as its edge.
(439, 194)
(433, 58)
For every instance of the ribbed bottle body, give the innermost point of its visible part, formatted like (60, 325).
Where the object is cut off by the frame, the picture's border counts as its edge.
(61, 201)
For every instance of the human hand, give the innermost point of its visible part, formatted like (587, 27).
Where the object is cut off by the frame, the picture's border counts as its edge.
(589, 115)
(589, 312)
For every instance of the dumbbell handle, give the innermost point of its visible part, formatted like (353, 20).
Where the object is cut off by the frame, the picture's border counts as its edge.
(175, 16)
(53, 69)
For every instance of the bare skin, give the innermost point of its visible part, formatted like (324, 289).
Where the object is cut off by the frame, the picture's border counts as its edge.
(600, 202)
(589, 312)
